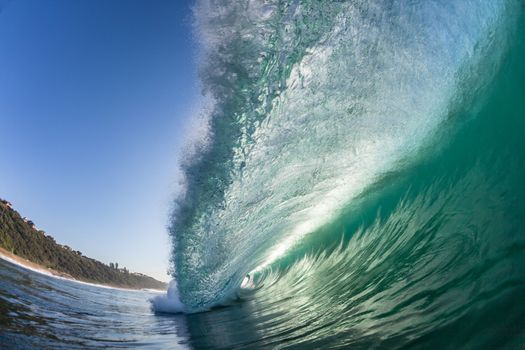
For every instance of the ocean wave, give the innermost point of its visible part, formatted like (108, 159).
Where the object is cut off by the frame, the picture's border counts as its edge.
(311, 104)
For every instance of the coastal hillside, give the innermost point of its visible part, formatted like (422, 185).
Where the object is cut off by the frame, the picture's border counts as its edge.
(20, 236)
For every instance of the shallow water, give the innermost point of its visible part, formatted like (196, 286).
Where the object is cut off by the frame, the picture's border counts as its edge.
(43, 312)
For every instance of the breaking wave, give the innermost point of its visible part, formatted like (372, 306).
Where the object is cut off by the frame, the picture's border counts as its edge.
(348, 168)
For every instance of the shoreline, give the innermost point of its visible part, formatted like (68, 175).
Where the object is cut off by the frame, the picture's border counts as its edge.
(29, 265)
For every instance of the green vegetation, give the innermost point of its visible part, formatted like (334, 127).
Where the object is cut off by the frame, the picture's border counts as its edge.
(20, 236)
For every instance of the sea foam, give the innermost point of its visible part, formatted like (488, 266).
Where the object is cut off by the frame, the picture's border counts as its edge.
(169, 302)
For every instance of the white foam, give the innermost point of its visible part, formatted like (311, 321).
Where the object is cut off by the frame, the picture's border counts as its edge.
(169, 302)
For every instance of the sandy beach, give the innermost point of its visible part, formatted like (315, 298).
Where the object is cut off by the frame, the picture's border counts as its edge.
(15, 259)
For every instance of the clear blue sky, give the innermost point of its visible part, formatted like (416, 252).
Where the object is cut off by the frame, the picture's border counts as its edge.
(95, 97)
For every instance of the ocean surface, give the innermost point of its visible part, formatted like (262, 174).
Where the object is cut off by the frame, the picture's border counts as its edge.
(356, 180)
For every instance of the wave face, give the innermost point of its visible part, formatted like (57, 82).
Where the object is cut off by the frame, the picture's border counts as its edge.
(363, 164)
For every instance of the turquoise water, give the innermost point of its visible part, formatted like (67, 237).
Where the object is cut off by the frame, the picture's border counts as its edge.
(357, 182)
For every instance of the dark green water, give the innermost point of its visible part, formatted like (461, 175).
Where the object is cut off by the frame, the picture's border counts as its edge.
(434, 255)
